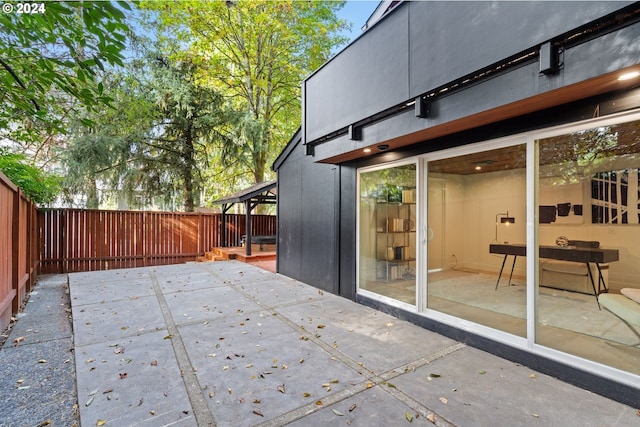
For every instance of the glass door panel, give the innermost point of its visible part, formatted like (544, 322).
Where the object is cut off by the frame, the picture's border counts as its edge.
(387, 233)
(588, 234)
(479, 203)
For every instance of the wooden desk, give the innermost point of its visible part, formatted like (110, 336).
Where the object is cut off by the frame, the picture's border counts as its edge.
(586, 255)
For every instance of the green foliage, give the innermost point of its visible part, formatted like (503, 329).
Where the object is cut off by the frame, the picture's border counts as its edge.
(50, 61)
(154, 143)
(256, 53)
(40, 187)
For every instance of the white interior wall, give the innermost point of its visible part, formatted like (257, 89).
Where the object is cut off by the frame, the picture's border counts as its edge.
(472, 202)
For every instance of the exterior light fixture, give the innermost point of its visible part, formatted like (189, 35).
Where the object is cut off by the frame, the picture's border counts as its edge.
(629, 76)
(367, 150)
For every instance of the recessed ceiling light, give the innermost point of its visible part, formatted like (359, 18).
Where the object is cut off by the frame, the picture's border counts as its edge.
(478, 168)
(629, 76)
(367, 150)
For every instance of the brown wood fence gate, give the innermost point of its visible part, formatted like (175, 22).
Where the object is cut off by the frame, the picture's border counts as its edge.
(73, 240)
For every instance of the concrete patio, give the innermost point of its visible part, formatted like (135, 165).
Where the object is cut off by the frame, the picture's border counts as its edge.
(230, 344)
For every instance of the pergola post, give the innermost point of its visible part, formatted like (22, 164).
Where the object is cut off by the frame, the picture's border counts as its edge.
(223, 227)
(247, 243)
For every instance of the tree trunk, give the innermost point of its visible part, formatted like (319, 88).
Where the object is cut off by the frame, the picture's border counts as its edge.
(92, 195)
(187, 172)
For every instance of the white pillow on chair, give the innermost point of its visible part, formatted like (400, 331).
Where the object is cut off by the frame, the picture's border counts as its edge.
(631, 293)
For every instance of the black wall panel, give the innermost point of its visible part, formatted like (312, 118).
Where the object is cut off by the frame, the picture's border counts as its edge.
(423, 45)
(308, 219)
(452, 39)
(362, 80)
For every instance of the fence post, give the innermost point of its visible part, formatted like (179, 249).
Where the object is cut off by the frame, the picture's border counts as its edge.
(15, 251)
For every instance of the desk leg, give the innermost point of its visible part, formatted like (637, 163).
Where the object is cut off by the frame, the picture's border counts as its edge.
(512, 267)
(593, 284)
(501, 268)
(602, 287)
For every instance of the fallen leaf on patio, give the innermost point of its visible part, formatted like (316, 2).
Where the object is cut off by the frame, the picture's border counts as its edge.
(141, 401)
(482, 372)
(168, 337)
(123, 375)
(301, 360)
(535, 415)
(42, 361)
(89, 360)
(109, 390)
(101, 422)
(408, 417)
(338, 413)
(241, 400)
(391, 385)
(127, 360)
(335, 344)
(17, 341)
(123, 328)
(319, 402)
(281, 389)
(88, 402)
(443, 400)
(119, 350)
(306, 394)
(154, 363)
(256, 401)
(92, 392)
(230, 391)
(431, 418)
(352, 407)
(44, 423)
(369, 385)
(211, 394)
(255, 411)
(320, 326)
(532, 376)
(250, 365)
(152, 412)
(320, 293)
(434, 375)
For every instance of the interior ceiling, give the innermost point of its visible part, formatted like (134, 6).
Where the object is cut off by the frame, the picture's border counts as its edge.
(617, 140)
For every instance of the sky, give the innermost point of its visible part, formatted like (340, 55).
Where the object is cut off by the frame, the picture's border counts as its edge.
(357, 12)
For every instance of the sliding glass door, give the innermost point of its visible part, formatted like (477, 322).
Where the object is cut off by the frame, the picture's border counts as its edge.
(481, 278)
(387, 250)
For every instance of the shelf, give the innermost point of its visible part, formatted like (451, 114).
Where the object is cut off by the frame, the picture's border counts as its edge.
(398, 261)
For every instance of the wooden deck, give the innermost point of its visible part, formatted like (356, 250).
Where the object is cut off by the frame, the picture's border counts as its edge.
(265, 258)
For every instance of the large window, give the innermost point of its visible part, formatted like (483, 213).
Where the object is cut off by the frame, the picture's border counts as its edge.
(387, 247)
(588, 232)
(476, 217)
(533, 239)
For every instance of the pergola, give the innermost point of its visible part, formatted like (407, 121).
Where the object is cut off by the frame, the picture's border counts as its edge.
(262, 193)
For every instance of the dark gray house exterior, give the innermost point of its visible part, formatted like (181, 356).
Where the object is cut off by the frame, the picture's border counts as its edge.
(450, 140)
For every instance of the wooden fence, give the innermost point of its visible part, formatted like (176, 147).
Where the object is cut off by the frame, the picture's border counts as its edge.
(18, 249)
(73, 240)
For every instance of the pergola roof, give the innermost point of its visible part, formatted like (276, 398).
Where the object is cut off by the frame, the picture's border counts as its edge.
(261, 193)
(249, 193)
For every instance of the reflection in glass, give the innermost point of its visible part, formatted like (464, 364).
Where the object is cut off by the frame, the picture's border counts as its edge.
(387, 246)
(588, 191)
(475, 201)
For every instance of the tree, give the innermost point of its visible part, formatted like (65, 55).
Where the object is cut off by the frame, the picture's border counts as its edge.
(50, 60)
(42, 188)
(256, 53)
(154, 143)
